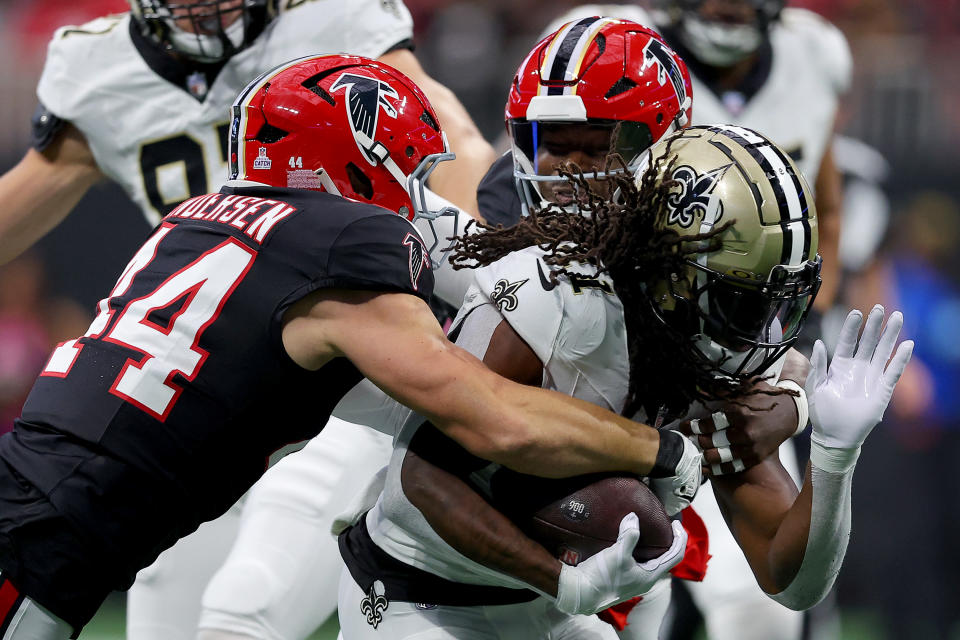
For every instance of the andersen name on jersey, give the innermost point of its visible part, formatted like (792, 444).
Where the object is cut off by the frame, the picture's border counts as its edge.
(166, 411)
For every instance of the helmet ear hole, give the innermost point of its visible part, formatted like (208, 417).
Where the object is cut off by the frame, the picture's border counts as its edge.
(359, 181)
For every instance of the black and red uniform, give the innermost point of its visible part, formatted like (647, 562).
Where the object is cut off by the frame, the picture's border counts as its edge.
(166, 412)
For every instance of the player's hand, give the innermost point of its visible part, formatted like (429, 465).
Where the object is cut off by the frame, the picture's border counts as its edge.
(847, 398)
(676, 492)
(612, 575)
(743, 434)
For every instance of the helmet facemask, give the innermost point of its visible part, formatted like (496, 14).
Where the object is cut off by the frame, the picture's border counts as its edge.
(734, 324)
(209, 31)
(542, 151)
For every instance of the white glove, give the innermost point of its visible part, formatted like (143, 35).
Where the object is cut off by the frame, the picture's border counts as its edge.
(612, 575)
(848, 399)
(677, 491)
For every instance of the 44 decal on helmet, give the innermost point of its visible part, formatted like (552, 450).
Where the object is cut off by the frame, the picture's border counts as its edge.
(365, 98)
(693, 198)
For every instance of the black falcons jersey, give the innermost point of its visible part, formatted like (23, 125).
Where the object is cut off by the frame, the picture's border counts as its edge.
(166, 411)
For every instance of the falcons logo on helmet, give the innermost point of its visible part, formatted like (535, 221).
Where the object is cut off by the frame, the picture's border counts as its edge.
(365, 98)
(657, 53)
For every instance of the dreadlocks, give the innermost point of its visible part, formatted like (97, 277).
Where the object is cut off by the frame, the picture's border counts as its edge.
(624, 237)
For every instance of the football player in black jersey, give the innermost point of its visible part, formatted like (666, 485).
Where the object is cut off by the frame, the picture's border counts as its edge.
(237, 327)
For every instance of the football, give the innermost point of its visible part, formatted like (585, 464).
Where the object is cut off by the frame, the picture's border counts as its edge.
(578, 517)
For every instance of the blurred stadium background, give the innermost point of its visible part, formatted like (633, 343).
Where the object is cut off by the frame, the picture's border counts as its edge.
(901, 233)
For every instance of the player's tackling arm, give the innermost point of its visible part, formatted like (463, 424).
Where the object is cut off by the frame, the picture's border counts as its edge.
(395, 341)
(456, 181)
(42, 189)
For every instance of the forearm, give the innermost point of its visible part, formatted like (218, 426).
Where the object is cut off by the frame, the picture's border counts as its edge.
(830, 478)
(40, 191)
(469, 524)
(768, 518)
(548, 434)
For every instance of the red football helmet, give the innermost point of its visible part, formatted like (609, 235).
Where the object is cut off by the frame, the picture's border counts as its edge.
(620, 85)
(343, 124)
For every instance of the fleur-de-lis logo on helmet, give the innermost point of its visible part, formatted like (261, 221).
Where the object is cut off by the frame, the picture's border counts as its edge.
(693, 198)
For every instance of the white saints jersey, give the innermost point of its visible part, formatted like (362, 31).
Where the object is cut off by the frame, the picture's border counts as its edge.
(576, 328)
(156, 138)
(797, 103)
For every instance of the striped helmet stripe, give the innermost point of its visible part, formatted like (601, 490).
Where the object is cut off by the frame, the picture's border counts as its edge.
(791, 199)
(566, 53)
(243, 101)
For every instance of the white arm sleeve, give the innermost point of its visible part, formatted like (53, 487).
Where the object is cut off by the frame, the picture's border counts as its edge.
(832, 479)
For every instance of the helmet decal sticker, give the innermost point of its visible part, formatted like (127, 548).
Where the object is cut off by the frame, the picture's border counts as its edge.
(365, 98)
(694, 195)
(659, 54)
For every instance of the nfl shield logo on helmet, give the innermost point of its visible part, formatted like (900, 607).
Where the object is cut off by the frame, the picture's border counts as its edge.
(262, 161)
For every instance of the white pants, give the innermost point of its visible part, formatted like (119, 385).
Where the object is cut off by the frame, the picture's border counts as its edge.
(279, 581)
(733, 605)
(538, 619)
(30, 621)
(645, 619)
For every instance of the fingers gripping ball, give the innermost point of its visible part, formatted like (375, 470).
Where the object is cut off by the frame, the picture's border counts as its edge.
(577, 518)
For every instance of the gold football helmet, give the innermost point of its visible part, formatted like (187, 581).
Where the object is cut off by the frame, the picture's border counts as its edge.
(744, 301)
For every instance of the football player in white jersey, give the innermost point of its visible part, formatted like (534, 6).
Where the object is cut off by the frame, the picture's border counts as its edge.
(143, 99)
(780, 71)
(707, 317)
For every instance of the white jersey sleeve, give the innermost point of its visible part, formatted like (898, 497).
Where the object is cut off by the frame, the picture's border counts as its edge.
(519, 287)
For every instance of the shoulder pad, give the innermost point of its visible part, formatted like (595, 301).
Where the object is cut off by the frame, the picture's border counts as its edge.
(520, 287)
(826, 45)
